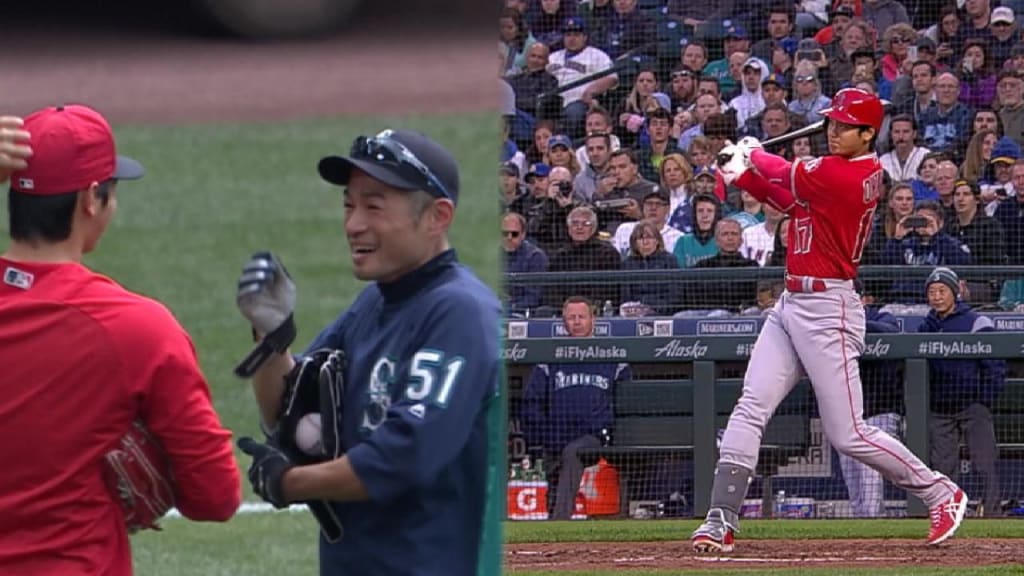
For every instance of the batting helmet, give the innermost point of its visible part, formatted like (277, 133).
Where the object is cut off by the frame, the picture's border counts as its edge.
(855, 107)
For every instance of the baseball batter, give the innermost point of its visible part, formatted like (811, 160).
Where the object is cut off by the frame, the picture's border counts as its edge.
(817, 326)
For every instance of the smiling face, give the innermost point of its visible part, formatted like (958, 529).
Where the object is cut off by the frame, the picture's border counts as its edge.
(390, 232)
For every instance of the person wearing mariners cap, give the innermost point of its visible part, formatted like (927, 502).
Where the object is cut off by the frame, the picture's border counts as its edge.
(85, 361)
(409, 438)
(961, 392)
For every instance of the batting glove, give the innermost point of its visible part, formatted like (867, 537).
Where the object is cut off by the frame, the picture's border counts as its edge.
(731, 163)
(266, 297)
(748, 144)
(267, 470)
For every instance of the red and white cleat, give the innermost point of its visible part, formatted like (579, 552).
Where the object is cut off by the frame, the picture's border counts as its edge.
(946, 518)
(714, 535)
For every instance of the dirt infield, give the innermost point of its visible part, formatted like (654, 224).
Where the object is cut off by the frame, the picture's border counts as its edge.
(168, 78)
(761, 554)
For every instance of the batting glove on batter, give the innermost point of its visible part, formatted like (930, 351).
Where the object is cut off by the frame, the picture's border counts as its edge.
(732, 163)
(266, 297)
(748, 144)
(267, 470)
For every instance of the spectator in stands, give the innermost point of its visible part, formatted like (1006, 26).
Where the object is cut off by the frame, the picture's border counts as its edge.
(543, 130)
(759, 240)
(978, 156)
(1004, 155)
(596, 14)
(803, 148)
(922, 243)
(808, 101)
(545, 221)
(705, 181)
(782, 62)
(560, 154)
(521, 256)
(699, 153)
(628, 28)
(691, 15)
(946, 127)
(981, 234)
(750, 102)
(655, 209)
(546, 19)
(735, 40)
(945, 36)
(1004, 34)
(576, 61)
(749, 212)
(676, 179)
(865, 67)
(699, 244)
(855, 37)
(924, 184)
(830, 36)
(922, 97)
(599, 121)
(773, 90)
(883, 408)
(977, 75)
(904, 161)
(537, 191)
(706, 85)
(629, 184)
(780, 30)
(707, 106)
(962, 392)
(647, 251)
(781, 243)
(660, 143)
(641, 101)
(1010, 88)
(977, 19)
(882, 15)
(533, 80)
(733, 294)
(694, 55)
(513, 196)
(1010, 215)
(985, 118)
(682, 89)
(585, 252)
(595, 173)
(946, 174)
(774, 123)
(900, 204)
(567, 407)
(896, 43)
(515, 40)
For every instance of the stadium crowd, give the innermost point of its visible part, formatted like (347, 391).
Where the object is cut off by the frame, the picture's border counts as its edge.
(615, 110)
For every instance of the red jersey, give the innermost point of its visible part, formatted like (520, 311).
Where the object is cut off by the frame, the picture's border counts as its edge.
(831, 202)
(82, 359)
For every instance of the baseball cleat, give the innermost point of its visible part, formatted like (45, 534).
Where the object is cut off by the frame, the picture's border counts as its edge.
(946, 517)
(714, 535)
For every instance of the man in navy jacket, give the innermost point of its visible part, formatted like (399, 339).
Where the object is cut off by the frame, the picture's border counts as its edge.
(962, 391)
(521, 256)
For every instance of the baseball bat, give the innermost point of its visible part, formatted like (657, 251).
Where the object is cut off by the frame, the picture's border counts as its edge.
(809, 130)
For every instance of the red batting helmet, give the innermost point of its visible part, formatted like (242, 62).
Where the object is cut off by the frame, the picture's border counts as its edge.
(855, 107)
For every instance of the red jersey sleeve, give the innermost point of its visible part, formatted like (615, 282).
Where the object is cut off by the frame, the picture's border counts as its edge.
(175, 405)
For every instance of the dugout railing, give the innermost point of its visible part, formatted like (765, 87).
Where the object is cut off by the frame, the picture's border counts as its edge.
(707, 371)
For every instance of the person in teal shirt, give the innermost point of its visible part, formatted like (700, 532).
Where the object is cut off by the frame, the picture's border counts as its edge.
(700, 244)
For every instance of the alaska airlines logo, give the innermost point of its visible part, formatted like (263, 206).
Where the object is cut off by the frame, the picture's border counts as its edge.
(378, 395)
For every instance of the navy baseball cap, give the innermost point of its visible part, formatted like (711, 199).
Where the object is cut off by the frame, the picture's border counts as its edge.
(574, 24)
(401, 159)
(735, 31)
(559, 140)
(777, 79)
(538, 169)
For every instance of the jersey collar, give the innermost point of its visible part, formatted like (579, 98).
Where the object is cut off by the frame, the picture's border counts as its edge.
(414, 281)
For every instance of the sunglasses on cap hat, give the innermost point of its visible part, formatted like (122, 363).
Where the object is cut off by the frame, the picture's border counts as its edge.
(805, 78)
(384, 149)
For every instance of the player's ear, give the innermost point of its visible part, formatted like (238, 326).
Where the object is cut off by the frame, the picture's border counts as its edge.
(867, 134)
(443, 213)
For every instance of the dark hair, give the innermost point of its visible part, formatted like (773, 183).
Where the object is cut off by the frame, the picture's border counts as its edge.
(522, 32)
(988, 68)
(933, 206)
(931, 67)
(786, 8)
(602, 135)
(624, 152)
(33, 218)
(999, 120)
(723, 125)
(660, 114)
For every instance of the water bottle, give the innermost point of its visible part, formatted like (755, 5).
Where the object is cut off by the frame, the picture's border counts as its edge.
(540, 469)
(608, 309)
(780, 504)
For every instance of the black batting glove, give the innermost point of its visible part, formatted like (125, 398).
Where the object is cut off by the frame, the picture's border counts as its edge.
(267, 470)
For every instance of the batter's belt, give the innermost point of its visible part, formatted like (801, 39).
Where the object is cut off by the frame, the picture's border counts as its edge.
(799, 284)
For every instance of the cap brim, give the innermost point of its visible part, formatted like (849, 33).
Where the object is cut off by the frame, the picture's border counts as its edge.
(128, 169)
(338, 170)
(1004, 160)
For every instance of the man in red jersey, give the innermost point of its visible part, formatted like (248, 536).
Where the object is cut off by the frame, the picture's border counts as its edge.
(83, 359)
(817, 326)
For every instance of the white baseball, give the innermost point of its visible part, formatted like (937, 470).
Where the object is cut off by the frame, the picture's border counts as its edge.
(307, 434)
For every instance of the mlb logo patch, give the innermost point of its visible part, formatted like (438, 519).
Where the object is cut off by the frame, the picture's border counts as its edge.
(18, 278)
(26, 184)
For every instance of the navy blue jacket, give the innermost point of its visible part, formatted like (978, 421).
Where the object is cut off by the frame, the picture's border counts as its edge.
(422, 389)
(563, 402)
(942, 250)
(526, 258)
(663, 297)
(880, 379)
(1010, 215)
(956, 384)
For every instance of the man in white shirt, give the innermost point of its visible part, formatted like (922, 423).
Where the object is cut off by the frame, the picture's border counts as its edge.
(598, 122)
(759, 239)
(904, 161)
(655, 208)
(576, 61)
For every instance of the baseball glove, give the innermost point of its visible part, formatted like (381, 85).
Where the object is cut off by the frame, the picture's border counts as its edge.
(138, 476)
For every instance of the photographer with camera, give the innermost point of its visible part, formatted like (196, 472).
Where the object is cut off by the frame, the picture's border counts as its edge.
(546, 225)
(621, 203)
(920, 240)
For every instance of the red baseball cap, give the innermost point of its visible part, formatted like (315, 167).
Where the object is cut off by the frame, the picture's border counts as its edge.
(72, 147)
